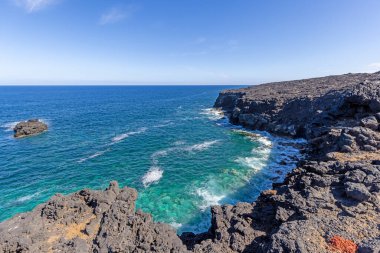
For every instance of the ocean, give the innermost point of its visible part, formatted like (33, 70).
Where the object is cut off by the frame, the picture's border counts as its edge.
(165, 141)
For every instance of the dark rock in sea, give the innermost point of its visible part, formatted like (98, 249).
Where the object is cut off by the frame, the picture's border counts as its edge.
(28, 128)
(333, 193)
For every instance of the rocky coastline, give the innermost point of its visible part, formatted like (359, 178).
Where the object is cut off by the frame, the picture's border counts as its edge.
(329, 203)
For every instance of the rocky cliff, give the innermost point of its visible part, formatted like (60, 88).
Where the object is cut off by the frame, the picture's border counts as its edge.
(329, 203)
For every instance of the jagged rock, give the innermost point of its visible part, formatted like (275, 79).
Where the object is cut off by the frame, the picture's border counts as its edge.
(88, 221)
(28, 128)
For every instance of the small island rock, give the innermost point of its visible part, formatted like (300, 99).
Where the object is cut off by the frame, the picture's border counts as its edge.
(30, 127)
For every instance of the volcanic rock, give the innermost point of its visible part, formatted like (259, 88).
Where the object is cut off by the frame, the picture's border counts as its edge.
(28, 128)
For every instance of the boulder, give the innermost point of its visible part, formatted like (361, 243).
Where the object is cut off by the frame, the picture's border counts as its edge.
(370, 122)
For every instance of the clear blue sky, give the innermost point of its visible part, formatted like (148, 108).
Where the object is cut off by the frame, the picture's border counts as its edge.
(185, 41)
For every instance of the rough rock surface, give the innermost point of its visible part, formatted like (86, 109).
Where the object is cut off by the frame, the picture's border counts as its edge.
(333, 193)
(88, 221)
(28, 128)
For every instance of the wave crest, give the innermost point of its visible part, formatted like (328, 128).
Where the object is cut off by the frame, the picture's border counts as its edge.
(201, 146)
(208, 198)
(121, 137)
(98, 153)
(153, 175)
(212, 113)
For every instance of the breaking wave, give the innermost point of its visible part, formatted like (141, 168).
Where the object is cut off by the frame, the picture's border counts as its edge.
(121, 137)
(165, 123)
(201, 146)
(208, 198)
(212, 113)
(98, 153)
(153, 175)
(8, 127)
(155, 172)
(27, 197)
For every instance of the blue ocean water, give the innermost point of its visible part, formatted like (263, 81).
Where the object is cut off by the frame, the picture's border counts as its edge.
(165, 141)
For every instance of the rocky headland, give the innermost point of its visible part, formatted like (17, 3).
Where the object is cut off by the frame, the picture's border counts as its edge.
(29, 128)
(329, 203)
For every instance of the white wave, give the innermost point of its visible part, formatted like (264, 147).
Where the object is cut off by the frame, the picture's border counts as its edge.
(155, 172)
(164, 123)
(265, 141)
(156, 155)
(121, 137)
(208, 199)
(175, 225)
(10, 126)
(98, 153)
(46, 121)
(159, 153)
(212, 113)
(27, 197)
(256, 163)
(253, 135)
(201, 146)
(153, 175)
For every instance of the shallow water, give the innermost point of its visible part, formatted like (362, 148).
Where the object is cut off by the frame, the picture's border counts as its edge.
(166, 142)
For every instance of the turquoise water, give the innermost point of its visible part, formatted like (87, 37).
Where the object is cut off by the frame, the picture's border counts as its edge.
(164, 141)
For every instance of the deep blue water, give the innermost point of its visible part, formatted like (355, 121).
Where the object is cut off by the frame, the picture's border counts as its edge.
(164, 141)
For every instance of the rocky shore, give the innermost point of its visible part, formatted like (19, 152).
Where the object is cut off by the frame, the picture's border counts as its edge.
(29, 128)
(329, 203)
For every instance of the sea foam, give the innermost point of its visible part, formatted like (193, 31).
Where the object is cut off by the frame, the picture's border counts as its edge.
(8, 127)
(155, 172)
(212, 113)
(98, 153)
(121, 137)
(27, 197)
(201, 146)
(208, 198)
(153, 175)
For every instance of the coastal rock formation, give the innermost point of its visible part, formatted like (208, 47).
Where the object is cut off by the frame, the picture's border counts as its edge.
(335, 190)
(88, 221)
(329, 203)
(28, 128)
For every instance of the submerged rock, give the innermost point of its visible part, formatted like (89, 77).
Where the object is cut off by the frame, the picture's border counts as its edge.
(28, 128)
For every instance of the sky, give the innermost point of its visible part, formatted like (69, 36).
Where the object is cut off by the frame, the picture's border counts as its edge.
(185, 41)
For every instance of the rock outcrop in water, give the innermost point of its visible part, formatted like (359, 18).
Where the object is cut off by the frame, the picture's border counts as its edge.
(329, 203)
(28, 128)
